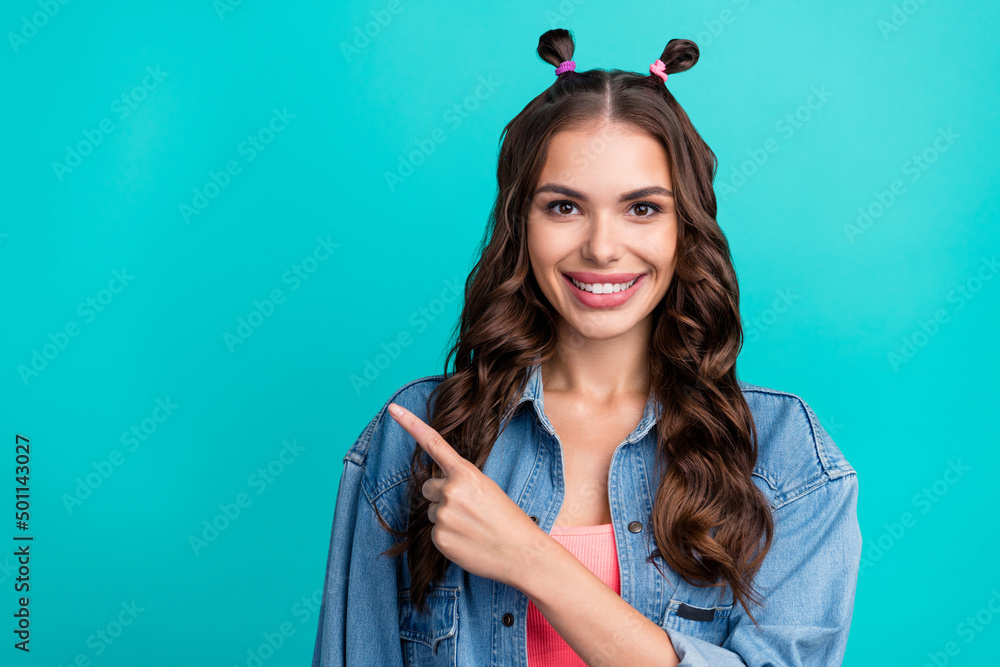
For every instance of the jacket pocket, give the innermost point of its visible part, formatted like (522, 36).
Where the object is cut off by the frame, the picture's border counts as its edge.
(430, 638)
(708, 623)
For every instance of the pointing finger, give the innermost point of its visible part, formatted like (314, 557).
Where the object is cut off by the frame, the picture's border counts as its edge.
(428, 439)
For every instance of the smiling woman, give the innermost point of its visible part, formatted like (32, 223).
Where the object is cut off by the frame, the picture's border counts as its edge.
(570, 231)
(589, 482)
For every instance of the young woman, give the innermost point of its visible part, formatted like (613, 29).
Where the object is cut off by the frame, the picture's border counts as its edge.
(590, 483)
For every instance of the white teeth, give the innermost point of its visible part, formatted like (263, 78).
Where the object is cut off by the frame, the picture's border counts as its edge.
(604, 288)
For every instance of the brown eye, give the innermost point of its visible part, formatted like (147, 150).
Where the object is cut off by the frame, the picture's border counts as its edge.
(646, 209)
(560, 208)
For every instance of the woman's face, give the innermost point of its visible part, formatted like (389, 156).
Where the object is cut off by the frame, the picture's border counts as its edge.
(603, 213)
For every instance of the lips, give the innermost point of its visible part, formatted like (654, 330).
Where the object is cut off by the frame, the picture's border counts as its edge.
(591, 278)
(602, 300)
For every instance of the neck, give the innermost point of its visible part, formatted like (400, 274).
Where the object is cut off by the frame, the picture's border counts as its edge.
(600, 370)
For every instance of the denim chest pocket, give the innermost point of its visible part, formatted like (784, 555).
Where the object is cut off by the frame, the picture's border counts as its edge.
(430, 638)
(710, 623)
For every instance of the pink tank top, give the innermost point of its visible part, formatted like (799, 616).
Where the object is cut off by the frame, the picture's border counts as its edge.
(594, 546)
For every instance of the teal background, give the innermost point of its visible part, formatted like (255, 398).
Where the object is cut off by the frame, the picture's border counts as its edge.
(851, 300)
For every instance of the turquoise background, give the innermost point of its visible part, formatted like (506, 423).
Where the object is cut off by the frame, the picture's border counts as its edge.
(826, 306)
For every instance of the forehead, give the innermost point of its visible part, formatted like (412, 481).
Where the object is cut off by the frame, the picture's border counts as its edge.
(608, 157)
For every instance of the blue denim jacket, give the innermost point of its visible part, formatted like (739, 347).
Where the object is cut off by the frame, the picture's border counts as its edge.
(807, 581)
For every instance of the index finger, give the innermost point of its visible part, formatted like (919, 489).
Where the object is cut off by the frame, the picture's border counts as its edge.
(428, 439)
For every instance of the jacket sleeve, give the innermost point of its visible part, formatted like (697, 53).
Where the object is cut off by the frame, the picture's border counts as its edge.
(358, 616)
(807, 581)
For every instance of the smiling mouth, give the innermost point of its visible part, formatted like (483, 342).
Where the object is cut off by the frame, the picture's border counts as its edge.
(602, 288)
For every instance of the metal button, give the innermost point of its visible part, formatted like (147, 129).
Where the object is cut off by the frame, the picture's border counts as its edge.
(635, 526)
(534, 518)
(508, 619)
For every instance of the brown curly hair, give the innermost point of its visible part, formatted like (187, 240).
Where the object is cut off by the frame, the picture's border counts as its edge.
(708, 519)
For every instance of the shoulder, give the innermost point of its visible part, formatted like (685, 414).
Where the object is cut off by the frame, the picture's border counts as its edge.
(796, 455)
(383, 451)
(381, 444)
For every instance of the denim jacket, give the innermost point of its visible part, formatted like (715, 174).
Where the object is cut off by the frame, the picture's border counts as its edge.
(807, 580)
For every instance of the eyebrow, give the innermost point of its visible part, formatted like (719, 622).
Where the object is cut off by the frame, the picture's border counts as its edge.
(628, 196)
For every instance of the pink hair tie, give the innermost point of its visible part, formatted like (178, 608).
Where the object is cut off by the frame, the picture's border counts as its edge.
(566, 66)
(659, 69)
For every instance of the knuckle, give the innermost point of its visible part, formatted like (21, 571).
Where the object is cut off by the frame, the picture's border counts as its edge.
(442, 513)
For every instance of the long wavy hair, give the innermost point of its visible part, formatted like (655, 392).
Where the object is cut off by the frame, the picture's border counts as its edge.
(708, 517)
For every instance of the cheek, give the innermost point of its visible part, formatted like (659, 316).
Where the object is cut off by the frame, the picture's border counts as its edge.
(534, 259)
(667, 248)
(670, 252)
(538, 258)
(542, 250)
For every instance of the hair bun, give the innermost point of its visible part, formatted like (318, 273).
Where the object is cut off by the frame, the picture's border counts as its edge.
(556, 46)
(679, 55)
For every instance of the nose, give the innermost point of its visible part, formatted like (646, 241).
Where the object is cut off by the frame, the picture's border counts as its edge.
(601, 244)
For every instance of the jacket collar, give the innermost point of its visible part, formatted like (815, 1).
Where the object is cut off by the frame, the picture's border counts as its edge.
(533, 393)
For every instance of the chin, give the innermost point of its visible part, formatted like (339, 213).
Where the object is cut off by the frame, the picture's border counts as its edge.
(593, 331)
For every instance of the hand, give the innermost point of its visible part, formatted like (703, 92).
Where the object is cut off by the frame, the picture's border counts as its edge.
(476, 525)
